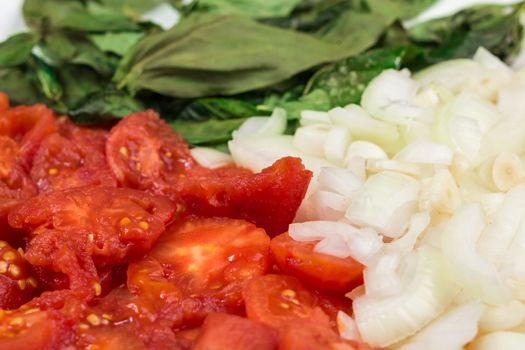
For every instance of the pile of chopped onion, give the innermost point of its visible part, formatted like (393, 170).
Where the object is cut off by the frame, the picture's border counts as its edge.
(424, 185)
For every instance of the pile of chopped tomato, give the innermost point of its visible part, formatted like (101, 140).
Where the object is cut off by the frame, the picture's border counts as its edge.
(119, 239)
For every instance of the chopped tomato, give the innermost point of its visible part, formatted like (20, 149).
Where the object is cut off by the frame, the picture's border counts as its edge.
(145, 153)
(17, 285)
(28, 126)
(76, 230)
(269, 199)
(321, 271)
(4, 102)
(230, 332)
(73, 157)
(208, 260)
(33, 329)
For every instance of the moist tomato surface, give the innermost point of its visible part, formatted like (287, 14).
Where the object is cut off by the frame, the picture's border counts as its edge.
(119, 239)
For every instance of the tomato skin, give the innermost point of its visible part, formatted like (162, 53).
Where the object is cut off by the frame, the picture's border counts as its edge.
(145, 153)
(4, 102)
(28, 126)
(75, 231)
(269, 199)
(230, 332)
(321, 271)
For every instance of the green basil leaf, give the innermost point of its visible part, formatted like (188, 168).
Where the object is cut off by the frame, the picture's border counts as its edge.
(16, 49)
(78, 82)
(399, 9)
(316, 100)
(209, 54)
(252, 8)
(47, 80)
(105, 105)
(131, 8)
(117, 43)
(208, 132)
(345, 81)
(73, 14)
(19, 86)
(218, 108)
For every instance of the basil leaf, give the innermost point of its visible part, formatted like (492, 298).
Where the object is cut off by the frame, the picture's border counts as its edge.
(19, 86)
(78, 82)
(47, 80)
(316, 100)
(131, 8)
(252, 8)
(218, 108)
(399, 9)
(208, 132)
(105, 105)
(209, 54)
(345, 81)
(117, 43)
(73, 14)
(17, 49)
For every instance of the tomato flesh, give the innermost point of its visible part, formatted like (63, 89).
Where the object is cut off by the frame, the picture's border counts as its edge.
(17, 285)
(321, 271)
(230, 332)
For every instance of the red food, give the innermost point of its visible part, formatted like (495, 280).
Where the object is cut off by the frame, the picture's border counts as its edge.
(229, 332)
(4, 102)
(321, 271)
(74, 157)
(28, 126)
(76, 230)
(144, 152)
(33, 329)
(17, 285)
(203, 262)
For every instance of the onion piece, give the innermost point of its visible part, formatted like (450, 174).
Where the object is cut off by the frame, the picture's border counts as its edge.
(406, 243)
(311, 139)
(211, 158)
(263, 126)
(503, 317)
(499, 340)
(325, 205)
(425, 153)
(318, 230)
(314, 117)
(336, 143)
(386, 203)
(452, 330)
(427, 292)
(339, 180)
(347, 327)
(376, 166)
(333, 245)
(476, 275)
(440, 193)
(451, 74)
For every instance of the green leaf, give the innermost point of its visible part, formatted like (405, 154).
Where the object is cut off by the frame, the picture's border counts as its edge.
(252, 8)
(345, 81)
(16, 49)
(117, 43)
(218, 108)
(18, 85)
(209, 54)
(399, 9)
(347, 30)
(208, 132)
(78, 82)
(68, 48)
(47, 79)
(105, 105)
(131, 8)
(73, 14)
(317, 100)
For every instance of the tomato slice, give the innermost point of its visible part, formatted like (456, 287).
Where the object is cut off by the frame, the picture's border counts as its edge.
(76, 230)
(321, 271)
(28, 126)
(4, 102)
(73, 157)
(208, 260)
(145, 153)
(33, 329)
(230, 332)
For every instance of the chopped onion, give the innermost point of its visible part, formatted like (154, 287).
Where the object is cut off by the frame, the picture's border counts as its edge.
(476, 275)
(425, 153)
(386, 203)
(334, 245)
(453, 330)
(336, 143)
(508, 135)
(317, 230)
(311, 139)
(503, 317)
(314, 117)
(440, 193)
(390, 97)
(507, 171)
(347, 327)
(263, 126)
(452, 74)
(403, 245)
(363, 127)
(339, 180)
(376, 166)
(211, 158)
(366, 150)
(427, 292)
(499, 340)
(326, 205)
(381, 277)
(363, 244)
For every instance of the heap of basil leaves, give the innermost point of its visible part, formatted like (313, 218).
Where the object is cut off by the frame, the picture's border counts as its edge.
(227, 60)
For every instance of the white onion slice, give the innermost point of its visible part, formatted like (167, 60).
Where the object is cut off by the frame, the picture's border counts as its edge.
(333, 245)
(440, 193)
(425, 153)
(499, 340)
(376, 166)
(386, 203)
(347, 327)
(406, 243)
(317, 230)
(476, 275)
(452, 74)
(211, 158)
(311, 139)
(503, 317)
(427, 292)
(339, 180)
(336, 143)
(314, 117)
(453, 330)
(263, 126)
